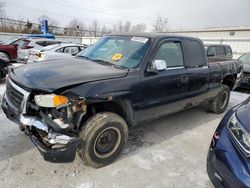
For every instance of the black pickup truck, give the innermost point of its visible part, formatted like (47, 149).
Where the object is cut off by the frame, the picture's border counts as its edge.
(87, 104)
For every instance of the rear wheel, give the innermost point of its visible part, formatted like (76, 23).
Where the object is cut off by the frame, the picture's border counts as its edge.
(220, 102)
(104, 135)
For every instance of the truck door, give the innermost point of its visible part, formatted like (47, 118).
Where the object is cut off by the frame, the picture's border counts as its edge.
(167, 86)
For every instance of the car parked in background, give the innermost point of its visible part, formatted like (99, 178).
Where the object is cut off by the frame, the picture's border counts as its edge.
(56, 51)
(228, 161)
(8, 49)
(12, 40)
(17, 48)
(8, 52)
(218, 52)
(245, 81)
(34, 43)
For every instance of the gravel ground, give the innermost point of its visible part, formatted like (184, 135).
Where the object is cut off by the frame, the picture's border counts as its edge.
(169, 152)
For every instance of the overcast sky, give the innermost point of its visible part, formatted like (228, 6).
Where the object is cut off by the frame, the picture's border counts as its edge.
(181, 14)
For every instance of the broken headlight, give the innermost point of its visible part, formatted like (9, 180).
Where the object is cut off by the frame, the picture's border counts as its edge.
(240, 135)
(51, 100)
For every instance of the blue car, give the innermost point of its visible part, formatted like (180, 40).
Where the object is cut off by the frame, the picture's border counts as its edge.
(228, 161)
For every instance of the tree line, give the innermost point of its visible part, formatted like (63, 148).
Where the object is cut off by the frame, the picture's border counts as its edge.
(76, 27)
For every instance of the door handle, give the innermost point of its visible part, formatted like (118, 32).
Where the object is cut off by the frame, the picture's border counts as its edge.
(184, 79)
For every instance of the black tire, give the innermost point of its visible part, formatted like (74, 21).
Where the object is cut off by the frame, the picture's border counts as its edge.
(104, 136)
(219, 104)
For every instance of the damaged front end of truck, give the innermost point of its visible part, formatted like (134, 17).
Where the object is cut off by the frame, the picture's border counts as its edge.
(52, 121)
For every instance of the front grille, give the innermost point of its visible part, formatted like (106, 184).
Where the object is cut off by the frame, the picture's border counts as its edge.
(15, 95)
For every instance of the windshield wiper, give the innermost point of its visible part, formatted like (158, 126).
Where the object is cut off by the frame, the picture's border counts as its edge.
(103, 62)
(85, 57)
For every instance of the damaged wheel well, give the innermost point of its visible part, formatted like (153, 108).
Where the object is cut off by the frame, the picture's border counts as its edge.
(122, 108)
(229, 81)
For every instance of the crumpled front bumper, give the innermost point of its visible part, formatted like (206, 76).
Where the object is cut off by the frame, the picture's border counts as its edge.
(58, 155)
(68, 145)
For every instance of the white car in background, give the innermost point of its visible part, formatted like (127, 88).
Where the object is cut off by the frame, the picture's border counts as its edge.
(34, 43)
(56, 51)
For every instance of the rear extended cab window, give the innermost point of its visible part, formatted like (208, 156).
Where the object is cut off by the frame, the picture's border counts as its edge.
(194, 53)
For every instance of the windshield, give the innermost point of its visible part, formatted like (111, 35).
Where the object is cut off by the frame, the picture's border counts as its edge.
(123, 51)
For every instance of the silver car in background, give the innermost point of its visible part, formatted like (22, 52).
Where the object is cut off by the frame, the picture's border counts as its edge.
(56, 51)
(34, 44)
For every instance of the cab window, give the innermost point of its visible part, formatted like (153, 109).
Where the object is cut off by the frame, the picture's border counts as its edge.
(171, 53)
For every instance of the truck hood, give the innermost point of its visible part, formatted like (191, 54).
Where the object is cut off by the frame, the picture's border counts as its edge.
(55, 74)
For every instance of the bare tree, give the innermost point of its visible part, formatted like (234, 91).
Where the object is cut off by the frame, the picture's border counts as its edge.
(28, 26)
(94, 28)
(160, 24)
(119, 26)
(75, 27)
(20, 25)
(139, 28)
(2, 13)
(114, 28)
(104, 30)
(127, 26)
(122, 27)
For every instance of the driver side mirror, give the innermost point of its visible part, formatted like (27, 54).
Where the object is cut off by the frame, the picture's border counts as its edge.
(156, 66)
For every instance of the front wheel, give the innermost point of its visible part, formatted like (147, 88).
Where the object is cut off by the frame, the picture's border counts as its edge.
(104, 135)
(219, 104)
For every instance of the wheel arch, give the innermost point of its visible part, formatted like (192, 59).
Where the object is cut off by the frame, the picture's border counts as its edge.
(229, 81)
(122, 107)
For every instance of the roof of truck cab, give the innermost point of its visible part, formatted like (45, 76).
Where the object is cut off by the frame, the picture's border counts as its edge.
(207, 45)
(152, 35)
